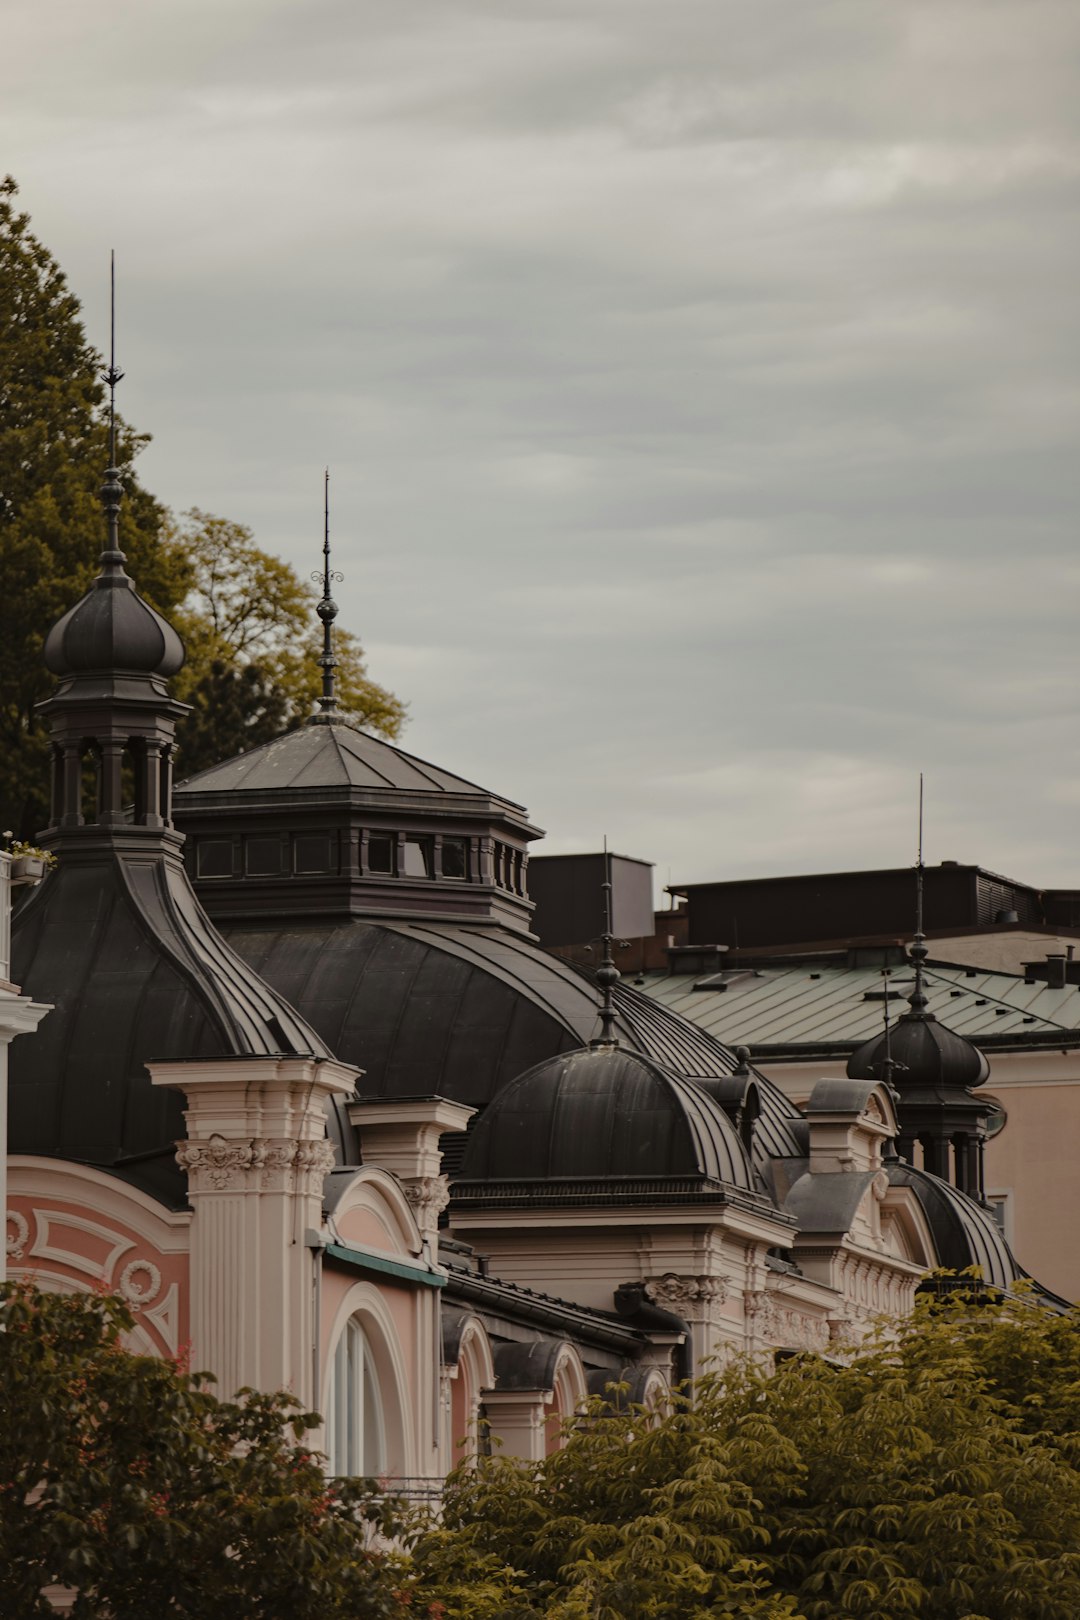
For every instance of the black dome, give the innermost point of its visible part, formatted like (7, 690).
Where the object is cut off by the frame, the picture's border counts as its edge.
(603, 1113)
(928, 1057)
(134, 973)
(112, 628)
(965, 1233)
(472, 1009)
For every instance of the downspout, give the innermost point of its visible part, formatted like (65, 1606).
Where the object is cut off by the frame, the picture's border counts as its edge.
(315, 1242)
(638, 1311)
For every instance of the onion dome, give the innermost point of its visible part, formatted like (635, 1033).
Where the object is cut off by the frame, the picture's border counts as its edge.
(933, 1071)
(603, 1114)
(112, 629)
(925, 1056)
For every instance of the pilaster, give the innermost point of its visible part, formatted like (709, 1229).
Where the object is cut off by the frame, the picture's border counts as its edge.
(402, 1135)
(256, 1157)
(518, 1418)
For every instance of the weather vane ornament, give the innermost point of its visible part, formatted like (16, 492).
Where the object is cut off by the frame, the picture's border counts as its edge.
(327, 610)
(918, 1000)
(112, 558)
(607, 974)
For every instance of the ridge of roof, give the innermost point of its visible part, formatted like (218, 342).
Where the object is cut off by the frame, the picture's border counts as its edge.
(347, 750)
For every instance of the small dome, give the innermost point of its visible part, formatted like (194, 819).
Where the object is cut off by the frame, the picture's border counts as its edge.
(112, 628)
(603, 1113)
(965, 1234)
(926, 1054)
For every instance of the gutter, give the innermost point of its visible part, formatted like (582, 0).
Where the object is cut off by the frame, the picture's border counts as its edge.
(497, 1299)
(376, 1265)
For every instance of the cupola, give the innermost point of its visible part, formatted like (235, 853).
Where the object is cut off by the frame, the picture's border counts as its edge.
(933, 1072)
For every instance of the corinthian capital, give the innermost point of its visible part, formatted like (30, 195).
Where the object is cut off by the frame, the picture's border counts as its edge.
(688, 1296)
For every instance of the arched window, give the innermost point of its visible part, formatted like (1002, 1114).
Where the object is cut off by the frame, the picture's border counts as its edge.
(569, 1393)
(475, 1373)
(355, 1431)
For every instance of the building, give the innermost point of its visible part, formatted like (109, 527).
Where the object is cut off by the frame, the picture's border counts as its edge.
(313, 1097)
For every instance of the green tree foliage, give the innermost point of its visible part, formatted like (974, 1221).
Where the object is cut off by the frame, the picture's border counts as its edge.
(245, 616)
(934, 1475)
(53, 452)
(250, 630)
(124, 1479)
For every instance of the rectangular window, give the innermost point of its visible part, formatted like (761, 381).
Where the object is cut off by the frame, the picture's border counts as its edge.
(263, 857)
(416, 858)
(455, 859)
(215, 858)
(380, 853)
(1000, 1205)
(311, 853)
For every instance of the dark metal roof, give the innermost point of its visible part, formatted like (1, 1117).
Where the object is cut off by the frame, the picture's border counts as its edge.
(815, 1005)
(327, 755)
(603, 1113)
(965, 1234)
(118, 943)
(470, 1009)
(112, 628)
(928, 1056)
(505, 1306)
(827, 1204)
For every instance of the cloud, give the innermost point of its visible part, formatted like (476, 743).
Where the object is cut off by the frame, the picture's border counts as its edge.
(699, 381)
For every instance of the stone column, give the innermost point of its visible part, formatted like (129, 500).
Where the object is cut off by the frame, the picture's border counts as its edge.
(518, 1418)
(256, 1157)
(699, 1301)
(402, 1136)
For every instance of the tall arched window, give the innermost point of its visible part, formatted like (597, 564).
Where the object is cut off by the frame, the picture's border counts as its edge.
(356, 1438)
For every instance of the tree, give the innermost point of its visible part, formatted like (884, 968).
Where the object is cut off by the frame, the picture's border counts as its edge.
(933, 1474)
(246, 617)
(251, 633)
(123, 1478)
(53, 452)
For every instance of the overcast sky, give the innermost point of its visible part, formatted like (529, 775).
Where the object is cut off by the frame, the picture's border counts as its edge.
(700, 382)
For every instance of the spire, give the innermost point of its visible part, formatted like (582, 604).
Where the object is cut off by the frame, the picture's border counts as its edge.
(918, 1000)
(328, 612)
(112, 558)
(607, 974)
(112, 711)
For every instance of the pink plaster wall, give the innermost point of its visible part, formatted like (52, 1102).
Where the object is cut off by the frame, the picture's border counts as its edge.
(75, 1245)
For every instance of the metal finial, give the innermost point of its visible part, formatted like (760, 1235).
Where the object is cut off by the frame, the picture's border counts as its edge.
(112, 558)
(328, 612)
(607, 974)
(917, 1000)
(886, 1069)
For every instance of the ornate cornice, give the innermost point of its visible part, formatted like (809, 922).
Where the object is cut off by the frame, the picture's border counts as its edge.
(429, 1196)
(688, 1296)
(261, 1164)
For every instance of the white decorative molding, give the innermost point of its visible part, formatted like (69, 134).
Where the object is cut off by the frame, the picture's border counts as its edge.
(135, 1295)
(429, 1196)
(165, 1316)
(688, 1296)
(784, 1326)
(266, 1164)
(18, 1233)
(48, 1244)
(873, 1288)
(216, 1162)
